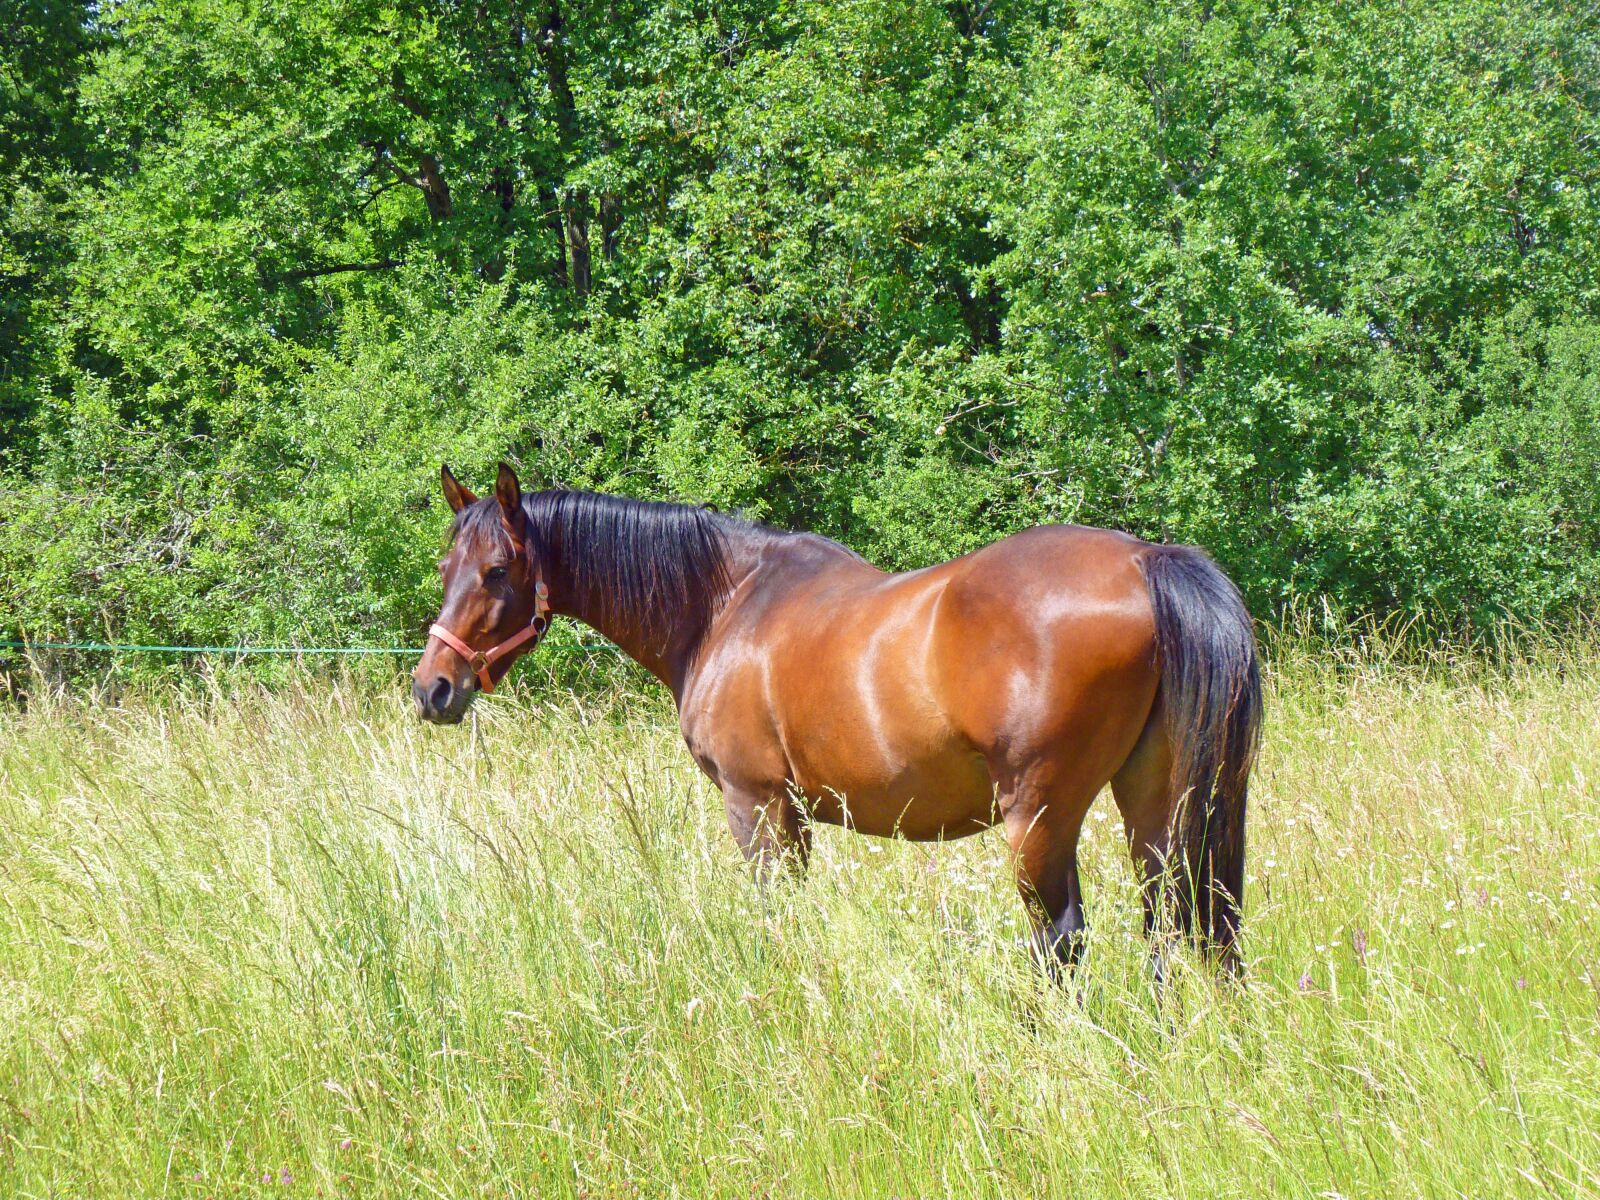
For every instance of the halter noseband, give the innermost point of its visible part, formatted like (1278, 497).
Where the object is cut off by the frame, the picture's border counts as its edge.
(481, 660)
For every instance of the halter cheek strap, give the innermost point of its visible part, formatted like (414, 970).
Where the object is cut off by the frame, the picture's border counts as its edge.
(481, 660)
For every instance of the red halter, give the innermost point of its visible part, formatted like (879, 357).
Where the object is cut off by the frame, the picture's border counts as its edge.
(481, 660)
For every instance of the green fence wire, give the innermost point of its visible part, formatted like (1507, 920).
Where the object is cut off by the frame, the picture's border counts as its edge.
(132, 648)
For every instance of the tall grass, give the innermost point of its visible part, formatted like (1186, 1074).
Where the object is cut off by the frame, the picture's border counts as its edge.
(288, 941)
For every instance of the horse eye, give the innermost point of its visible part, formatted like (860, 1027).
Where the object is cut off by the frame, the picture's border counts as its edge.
(494, 574)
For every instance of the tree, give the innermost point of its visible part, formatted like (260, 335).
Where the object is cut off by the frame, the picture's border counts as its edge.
(46, 150)
(1314, 287)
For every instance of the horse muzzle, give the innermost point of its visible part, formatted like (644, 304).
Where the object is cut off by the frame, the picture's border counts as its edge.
(441, 702)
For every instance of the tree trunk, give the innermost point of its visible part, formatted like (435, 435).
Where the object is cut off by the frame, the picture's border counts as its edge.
(574, 213)
(577, 214)
(435, 191)
(549, 204)
(610, 225)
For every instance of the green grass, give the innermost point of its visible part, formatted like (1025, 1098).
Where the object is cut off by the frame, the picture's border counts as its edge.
(251, 931)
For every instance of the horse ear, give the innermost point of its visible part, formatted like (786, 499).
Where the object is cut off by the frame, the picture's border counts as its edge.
(508, 491)
(456, 496)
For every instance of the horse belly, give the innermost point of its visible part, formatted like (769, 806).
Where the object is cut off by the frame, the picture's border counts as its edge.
(924, 794)
(864, 728)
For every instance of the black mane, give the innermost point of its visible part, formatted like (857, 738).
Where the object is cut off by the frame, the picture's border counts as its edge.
(661, 569)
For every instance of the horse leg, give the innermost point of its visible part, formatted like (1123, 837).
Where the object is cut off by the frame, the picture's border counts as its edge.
(768, 826)
(1042, 827)
(1142, 788)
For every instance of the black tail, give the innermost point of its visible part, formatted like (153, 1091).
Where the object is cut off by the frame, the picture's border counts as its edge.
(1211, 690)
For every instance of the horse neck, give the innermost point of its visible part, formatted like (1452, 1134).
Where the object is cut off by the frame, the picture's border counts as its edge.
(666, 662)
(668, 657)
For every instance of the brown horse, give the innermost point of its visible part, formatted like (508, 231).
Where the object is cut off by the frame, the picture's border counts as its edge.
(1006, 687)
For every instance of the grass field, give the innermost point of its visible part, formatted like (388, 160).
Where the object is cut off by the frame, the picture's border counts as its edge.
(289, 942)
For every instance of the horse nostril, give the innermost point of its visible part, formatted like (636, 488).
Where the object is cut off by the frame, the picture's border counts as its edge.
(441, 693)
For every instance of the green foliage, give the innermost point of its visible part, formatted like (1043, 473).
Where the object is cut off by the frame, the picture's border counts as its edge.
(46, 152)
(1314, 287)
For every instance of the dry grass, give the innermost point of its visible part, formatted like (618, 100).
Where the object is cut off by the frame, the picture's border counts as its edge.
(287, 941)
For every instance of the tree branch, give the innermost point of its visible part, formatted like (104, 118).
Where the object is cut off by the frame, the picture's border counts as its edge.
(304, 273)
(429, 180)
